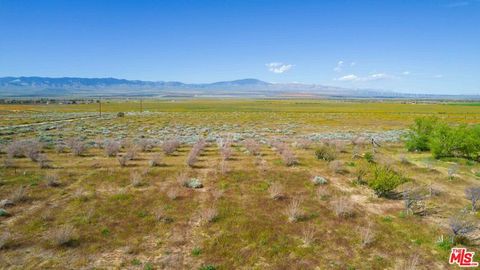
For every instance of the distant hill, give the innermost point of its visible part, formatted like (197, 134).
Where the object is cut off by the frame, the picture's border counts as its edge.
(111, 87)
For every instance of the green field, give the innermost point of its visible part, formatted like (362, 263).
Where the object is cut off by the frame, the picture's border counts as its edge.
(101, 215)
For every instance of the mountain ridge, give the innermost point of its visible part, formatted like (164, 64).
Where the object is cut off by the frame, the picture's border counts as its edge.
(36, 86)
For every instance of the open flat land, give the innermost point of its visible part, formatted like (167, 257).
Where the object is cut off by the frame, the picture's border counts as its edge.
(243, 188)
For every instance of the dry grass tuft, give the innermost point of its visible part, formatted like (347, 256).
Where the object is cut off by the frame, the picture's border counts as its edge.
(64, 236)
(343, 207)
(293, 211)
(276, 191)
(208, 215)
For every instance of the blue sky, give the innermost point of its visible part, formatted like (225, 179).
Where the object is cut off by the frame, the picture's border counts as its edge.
(411, 46)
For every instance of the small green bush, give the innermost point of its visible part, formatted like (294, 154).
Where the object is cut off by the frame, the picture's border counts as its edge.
(318, 180)
(208, 267)
(369, 157)
(325, 153)
(384, 180)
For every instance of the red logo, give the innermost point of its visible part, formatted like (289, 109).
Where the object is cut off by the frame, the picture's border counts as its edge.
(462, 257)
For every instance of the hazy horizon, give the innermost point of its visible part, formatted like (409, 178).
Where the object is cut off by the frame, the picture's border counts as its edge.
(408, 47)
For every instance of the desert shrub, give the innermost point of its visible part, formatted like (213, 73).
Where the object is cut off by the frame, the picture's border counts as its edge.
(293, 211)
(359, 141)
(111, 148)
(161, 216)
(6, 240)
(77, 146)
(208, 215)
(193, 183)
(20, 195)
(411, 263)
(43, 162)
(156, 161)
(9, 163)
(197, 148)
(302, 143)
(170, 146)
(318, 180)
(356, 152)
(417, 138)
(412, 200)
(4, 213)
(52, 180)
(136, 179)
(24, 148)
(122, 160)
(473, 195)
(145, 145)
(360, 171)
(82, 195)
(323, 193)
(461, 225)
(120, 114)
(132, 152)
(6, 203)
(289, 157)
(173, 193)
(33, 149)
(404, 160)
(192, 157)
(325, 152)
(343, 207)
(309, 235)
(367, 236)
(384, 180)
(217, 194)
(337, 166)
(252, 146)
(276, 191)
(64, 236)
(60, 147)
(451, 171)
(339, 146)
(16, 149)
(226, 152)
(208, 267)
(277, 145)
(369, 157)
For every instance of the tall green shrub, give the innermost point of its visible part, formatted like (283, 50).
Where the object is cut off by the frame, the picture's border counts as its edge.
(417, 139)
(384, 180)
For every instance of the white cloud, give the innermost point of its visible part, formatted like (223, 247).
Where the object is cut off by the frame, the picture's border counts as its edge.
(438, 76)
(352, 64)
(371, 77)
(406, 73)
(377, 76)
(348, 78)
(339, 66)
(277, 67)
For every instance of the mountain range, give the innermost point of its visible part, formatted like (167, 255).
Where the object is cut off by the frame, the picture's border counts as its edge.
(74, 87)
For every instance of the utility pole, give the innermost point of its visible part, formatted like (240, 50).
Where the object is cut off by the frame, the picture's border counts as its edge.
(100, 107)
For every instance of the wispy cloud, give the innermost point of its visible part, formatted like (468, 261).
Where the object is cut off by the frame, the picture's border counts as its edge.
(438, 76)
(348, 78)
(277, 67)
(371, 77)
(339, 66)
(406, 73)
